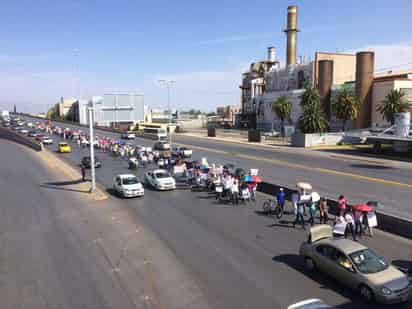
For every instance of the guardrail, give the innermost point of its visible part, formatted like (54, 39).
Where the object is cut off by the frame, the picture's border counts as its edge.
(19, 138)
(386, 222)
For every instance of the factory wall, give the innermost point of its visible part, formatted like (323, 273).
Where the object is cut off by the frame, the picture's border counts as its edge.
(344, 66)
(380, 90)
(268, 120)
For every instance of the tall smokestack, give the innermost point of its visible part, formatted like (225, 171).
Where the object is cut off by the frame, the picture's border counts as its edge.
(291, 34)
(365, 66)
(271, 54)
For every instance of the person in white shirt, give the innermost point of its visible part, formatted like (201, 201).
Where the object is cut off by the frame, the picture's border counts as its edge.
(235, 191)
(350, 224)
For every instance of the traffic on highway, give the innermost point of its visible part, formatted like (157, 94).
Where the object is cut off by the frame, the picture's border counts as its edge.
(162, 167)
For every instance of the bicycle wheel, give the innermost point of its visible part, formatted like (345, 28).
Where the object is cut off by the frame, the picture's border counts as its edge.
(278, 212)
(266, 206)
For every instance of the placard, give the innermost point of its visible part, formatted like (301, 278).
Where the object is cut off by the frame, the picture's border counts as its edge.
(339, 228)
(372, 220)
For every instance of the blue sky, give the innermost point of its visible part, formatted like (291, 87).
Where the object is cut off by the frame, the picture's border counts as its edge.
(68, 48)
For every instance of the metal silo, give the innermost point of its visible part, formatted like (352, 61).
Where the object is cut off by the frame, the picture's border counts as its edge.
(365, 63)
(325, 83)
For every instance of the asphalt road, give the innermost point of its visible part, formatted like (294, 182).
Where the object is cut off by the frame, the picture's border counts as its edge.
(239, 258)
(60, 249)
(360, 180)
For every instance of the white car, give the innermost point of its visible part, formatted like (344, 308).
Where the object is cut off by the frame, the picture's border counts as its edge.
(24, 131)
(128, 185)
(183, 151)
(310, 304)
(47, 140)
(160, 179)
(128, 135)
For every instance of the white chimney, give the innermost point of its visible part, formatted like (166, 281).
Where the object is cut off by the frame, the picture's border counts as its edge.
(271, 54)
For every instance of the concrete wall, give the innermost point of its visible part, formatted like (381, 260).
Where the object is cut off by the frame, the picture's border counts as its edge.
(380, 90)
(19, 138)
(316, 139)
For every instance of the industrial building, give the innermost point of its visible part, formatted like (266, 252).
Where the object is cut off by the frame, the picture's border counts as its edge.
(115, 110)
(328, 72)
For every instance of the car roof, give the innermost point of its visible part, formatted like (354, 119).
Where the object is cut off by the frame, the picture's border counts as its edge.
(345, 245)
(160, 171)
(126, 175)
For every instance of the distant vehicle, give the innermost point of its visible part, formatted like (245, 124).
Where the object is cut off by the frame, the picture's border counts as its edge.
(310, 304)
(128, 135)
(128, 185)
(5, 114)
(39, 137)
(64, 147)
(160, 180)
(33, 133)
(355, 266)
(47, 140)
(182, 151)
(158, 134)
(161, 146)
(24, 131)
(86, 162)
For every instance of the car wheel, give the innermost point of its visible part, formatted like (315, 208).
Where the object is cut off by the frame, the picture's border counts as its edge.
(309, 264)
(366, 293)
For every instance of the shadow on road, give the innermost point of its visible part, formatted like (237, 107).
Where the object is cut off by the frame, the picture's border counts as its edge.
(60, 185)
(372, 166)
(354, 301)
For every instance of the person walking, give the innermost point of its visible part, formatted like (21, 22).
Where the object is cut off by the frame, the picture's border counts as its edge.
(235, 191)
(342, 205)
(280, 197)
(299, 214)
(83, 170)
(358, 222)
(323, 210)
(312, 212)
(349, 225)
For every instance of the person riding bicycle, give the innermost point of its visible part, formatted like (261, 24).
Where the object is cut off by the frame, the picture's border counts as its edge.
(280, 197)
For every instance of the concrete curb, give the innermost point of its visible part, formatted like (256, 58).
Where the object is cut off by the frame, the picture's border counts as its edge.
(387, 223)
(51, 160)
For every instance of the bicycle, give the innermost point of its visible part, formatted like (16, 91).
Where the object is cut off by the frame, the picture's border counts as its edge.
(271, 207)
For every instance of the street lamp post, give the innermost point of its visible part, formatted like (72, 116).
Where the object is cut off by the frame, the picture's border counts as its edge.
(168, 84)
(91, 107)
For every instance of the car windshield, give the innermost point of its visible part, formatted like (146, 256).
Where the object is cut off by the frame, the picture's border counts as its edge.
(162, 175)
(368, 262)
(130, 181)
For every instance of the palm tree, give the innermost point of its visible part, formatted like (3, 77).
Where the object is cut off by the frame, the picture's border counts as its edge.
(313, 119)
(282, 108)
(345, 107)
(394, 103)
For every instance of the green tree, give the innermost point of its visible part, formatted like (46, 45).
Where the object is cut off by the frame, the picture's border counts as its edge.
(313, 119)
(394, 102)
(345, 107)
(282, 108)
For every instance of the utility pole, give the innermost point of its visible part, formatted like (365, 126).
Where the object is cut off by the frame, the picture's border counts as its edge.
(168, 84)
(91, 144)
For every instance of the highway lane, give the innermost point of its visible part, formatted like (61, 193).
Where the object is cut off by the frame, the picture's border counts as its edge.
(239, 258)
(62, 250)
(359, 181)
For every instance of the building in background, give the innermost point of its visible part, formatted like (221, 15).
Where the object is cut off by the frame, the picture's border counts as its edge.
(67, 108)
(116, 110)
(267, 80)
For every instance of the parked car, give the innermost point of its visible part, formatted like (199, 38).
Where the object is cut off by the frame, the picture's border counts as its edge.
(128, 185)
(355, 266)
(182, 151)
(64, 147)
(86, 162)
(23, 131)
(160, 180)
(39, 137)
